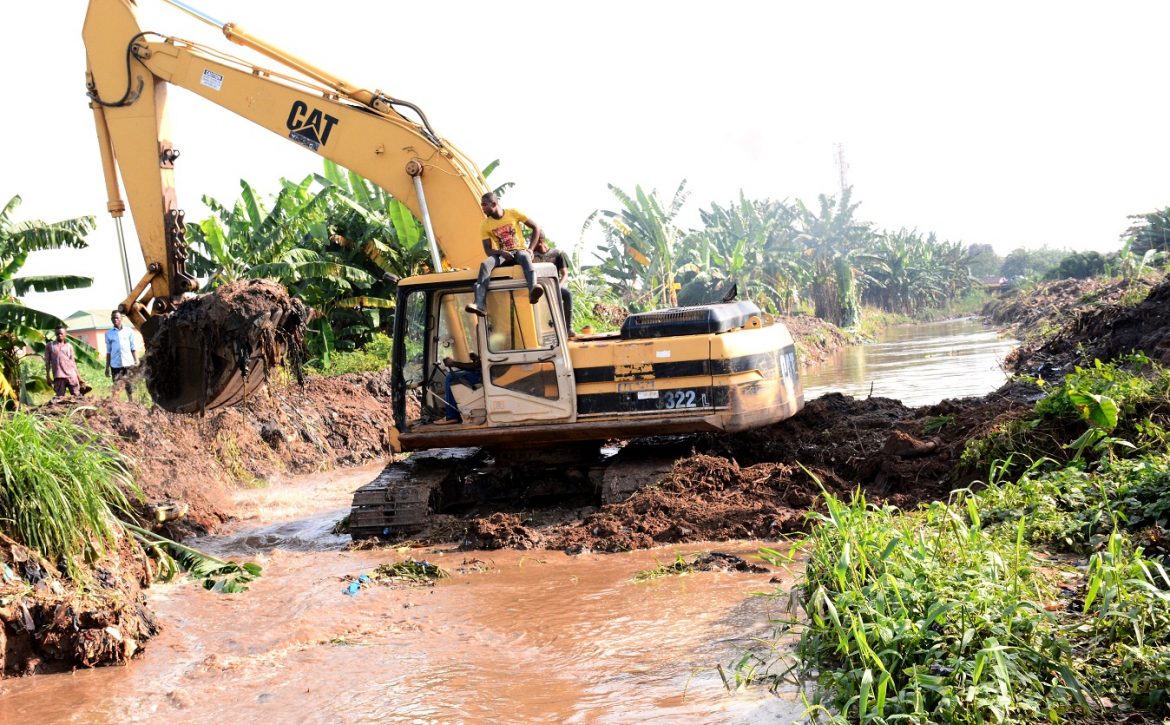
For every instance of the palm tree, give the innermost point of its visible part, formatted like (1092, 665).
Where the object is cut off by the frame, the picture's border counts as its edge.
(22, 326)
(641, 245)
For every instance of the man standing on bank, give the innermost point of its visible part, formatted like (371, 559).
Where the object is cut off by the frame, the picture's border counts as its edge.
(504, 245)
(121, 355)
(61, 366)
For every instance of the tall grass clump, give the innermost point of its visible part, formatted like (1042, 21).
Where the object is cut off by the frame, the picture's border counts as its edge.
(928, 617)
(60, 487)
(1040, 595)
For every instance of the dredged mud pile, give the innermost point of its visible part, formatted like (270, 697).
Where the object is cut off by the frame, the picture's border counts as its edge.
(49, 622)
(759, 485)
(285, 428)
(1103, 331)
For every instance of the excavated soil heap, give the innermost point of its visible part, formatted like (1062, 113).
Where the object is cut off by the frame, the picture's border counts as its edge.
(285, 428)
(760, 484)
(1103, 332)
(50, 623)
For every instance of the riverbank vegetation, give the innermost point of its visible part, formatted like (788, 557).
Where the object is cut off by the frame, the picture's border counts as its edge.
(1041, 593)
(63, 489)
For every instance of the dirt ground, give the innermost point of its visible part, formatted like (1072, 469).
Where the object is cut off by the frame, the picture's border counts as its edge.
(197, 460)
(816, 340)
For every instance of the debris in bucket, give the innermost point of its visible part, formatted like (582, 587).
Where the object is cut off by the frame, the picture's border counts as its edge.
(214, 349)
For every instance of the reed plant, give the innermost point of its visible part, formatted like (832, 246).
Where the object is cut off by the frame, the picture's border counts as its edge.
(61, 487)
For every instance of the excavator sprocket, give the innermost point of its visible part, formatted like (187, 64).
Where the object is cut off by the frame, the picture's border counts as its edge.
(218, 348)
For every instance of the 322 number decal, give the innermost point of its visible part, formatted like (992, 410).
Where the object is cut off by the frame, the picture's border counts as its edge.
(678, 399)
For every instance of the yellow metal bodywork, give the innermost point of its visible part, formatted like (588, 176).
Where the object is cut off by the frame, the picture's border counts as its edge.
(728, 381)
(357, 129)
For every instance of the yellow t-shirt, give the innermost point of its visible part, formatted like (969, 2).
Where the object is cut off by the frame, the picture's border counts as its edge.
(505, 232)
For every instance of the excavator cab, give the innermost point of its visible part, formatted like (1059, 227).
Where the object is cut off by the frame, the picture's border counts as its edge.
(522, 348)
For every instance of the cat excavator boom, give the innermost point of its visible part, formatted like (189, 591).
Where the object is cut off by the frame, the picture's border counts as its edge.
(718, 367)
(367, 131)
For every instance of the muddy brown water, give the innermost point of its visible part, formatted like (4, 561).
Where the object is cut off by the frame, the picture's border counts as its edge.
(918, 364)
(511, 636)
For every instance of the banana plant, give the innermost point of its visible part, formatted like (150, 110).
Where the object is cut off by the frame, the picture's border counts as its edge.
(830, 238)
(642, 241)
(234, 240)
(21, 326)
(747, 242)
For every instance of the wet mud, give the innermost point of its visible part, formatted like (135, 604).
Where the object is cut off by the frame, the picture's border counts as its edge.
(51, 623)
(219, 346)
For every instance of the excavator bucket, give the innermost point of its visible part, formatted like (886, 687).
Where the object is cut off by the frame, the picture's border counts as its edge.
(216, 349)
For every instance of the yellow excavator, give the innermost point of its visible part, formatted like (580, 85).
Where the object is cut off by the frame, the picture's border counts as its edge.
(718, 367)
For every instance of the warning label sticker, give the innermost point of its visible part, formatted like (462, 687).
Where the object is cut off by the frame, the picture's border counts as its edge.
(211, 79)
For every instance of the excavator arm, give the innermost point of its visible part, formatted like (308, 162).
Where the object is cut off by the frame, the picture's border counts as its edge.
(129, 71)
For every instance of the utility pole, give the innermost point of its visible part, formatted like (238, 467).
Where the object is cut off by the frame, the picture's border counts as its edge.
(842, 168)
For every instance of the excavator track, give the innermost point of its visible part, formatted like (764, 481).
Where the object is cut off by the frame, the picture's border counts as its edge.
(403, 498)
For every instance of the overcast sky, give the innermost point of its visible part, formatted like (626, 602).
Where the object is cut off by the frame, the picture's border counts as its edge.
(1004, 123)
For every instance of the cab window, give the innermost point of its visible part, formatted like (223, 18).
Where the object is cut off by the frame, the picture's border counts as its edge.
(514, 324)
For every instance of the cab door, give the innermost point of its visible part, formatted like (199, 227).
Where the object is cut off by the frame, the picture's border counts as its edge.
(527, 375)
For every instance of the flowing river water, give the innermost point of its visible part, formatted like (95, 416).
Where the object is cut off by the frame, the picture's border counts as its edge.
(511, 636)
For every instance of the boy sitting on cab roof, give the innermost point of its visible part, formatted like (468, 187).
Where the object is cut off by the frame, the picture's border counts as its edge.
(504, 245)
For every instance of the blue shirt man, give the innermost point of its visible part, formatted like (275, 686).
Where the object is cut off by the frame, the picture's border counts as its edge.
(121, 354)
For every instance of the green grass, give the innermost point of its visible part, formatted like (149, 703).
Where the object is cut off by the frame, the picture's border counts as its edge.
(1043, 595)
(60, 488)
(372, 358)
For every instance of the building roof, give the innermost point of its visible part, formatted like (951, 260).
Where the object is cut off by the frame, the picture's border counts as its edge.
(88, 320)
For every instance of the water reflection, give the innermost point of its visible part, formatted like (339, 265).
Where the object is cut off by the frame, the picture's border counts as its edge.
(918, 364)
